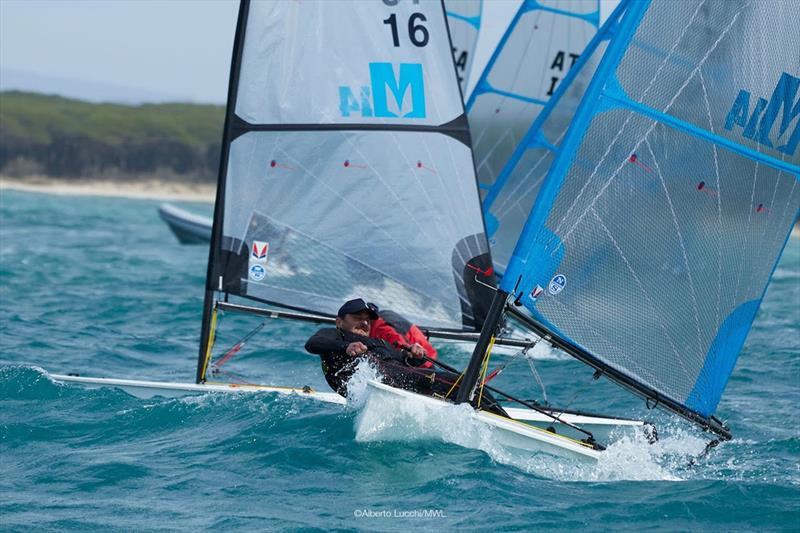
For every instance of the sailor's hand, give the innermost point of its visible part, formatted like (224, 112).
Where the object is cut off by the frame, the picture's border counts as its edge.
(417, 350)
(356, 348)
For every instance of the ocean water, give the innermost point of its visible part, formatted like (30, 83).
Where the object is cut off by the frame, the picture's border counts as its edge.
(99, 286)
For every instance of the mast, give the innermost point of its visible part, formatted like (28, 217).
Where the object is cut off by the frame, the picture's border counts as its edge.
(466, 390)
(213, 280)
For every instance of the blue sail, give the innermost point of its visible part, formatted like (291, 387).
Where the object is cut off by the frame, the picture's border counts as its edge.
(542, 43)
(672, 196)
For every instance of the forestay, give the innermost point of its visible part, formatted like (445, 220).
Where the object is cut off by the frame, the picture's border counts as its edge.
(347, 169)
(675, 189)
(464, 19)
(543, 41)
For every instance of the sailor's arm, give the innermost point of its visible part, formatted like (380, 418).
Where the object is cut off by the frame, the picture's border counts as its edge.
(325, 341)
(328, 341)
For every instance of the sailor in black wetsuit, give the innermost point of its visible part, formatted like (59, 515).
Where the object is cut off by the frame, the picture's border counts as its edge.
(341, 349)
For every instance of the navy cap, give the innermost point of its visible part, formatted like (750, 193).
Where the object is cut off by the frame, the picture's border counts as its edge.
(352, 307)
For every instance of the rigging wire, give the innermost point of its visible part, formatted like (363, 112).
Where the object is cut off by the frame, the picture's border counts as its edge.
(485, 368)
(236, 378)
(236, 348)
(211, 338)
(536, 375)
(529, 404)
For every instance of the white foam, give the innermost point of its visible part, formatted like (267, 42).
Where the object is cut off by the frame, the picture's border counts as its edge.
(629, 456)
(357, 386)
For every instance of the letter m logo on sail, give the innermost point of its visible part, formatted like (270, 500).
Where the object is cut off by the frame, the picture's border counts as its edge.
(759, 125)
(384, 82)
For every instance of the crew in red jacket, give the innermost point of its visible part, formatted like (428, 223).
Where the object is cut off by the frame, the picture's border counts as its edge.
(401, 334)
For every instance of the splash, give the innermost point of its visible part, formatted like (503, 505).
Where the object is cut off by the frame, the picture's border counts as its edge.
(357, 393)
(628, 457)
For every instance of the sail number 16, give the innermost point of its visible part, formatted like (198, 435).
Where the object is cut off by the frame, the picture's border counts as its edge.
(417, 33)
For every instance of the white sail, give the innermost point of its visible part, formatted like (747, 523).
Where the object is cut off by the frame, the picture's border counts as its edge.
(347, 169)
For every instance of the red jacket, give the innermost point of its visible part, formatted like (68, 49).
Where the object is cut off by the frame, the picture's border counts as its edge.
(381, 329)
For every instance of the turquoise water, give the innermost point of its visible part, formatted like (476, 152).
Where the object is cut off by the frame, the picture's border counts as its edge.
(100, 287)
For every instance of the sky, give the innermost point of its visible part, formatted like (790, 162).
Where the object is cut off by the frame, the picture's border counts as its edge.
(143, 50)
(173, 48)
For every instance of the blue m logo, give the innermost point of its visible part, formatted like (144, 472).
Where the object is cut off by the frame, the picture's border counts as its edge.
(759, 124)
(384, 83)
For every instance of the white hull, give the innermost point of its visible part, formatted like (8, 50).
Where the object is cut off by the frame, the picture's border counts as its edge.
(509, 433)
(148, 389)
(599, 426)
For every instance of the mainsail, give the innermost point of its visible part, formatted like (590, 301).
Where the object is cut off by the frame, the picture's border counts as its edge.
(663, 216)
(543, 41)
(464, 20)
(346, 168)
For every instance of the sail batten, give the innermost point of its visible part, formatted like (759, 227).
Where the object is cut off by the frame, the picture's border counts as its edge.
(669, 202)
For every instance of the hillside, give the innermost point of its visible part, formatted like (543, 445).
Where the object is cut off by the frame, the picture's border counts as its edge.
(42, 135)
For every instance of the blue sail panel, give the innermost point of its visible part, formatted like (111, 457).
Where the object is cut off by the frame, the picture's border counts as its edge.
(721, 358)
(672, 195)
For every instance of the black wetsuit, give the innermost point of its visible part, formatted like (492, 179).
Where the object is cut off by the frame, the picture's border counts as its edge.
(397, 368)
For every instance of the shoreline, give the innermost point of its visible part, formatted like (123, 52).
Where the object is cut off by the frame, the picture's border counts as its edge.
(150, 189)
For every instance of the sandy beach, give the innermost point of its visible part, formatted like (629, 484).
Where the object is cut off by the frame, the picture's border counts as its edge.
(149, 189)
(146, 189)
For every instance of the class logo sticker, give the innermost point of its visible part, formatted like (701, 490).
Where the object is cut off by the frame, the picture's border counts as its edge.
(557, 284)
(259, 252)
(259, 255)
(759, 121)
(536, 292)
(257, 272)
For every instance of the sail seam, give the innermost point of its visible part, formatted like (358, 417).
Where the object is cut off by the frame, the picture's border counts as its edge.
(661, 321)
(682, 243)
(650, 85)
(719, 194)
(652, 127)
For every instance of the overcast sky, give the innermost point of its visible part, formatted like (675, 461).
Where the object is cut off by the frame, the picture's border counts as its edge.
(165, 49)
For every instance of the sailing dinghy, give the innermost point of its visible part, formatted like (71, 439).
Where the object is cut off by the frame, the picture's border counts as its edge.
(353, 178)
(668, 203)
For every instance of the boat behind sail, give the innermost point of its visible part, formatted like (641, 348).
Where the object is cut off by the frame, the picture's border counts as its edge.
(543, 41)
(347, 169)
(508, 200)
(662, 218)
(464, 21)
